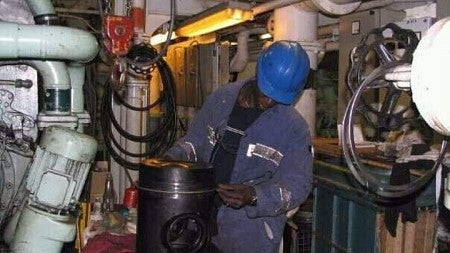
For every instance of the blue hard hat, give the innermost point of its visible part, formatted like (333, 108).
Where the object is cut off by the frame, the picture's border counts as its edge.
(282, 71)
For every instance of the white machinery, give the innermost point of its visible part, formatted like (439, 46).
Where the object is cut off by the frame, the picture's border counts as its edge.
(40, 184)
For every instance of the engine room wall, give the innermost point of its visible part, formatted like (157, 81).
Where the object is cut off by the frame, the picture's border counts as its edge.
(198, 69)
(442, 9)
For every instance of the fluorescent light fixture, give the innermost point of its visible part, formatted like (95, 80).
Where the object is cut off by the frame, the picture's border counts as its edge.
(160, 38)
(220, 16)
(265, 36)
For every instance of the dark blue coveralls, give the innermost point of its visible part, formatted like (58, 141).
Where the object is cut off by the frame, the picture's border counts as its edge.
(274, 156)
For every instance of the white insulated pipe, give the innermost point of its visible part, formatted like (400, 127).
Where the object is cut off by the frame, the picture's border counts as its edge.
(54, 74)
(240, 59)
(374, 4)
(77, 74)
(269, 6)
(296, 24)
(334, 7)
(46, 42)
(41, 7)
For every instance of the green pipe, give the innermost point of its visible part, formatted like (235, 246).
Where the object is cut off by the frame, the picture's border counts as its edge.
(56, 82)
(54, 74)
(76, 73)
(46, 42)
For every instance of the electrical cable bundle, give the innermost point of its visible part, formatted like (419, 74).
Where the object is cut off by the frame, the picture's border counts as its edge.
(161, 138)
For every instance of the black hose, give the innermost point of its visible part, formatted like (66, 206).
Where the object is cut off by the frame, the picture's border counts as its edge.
(122, 101)
(160, 139)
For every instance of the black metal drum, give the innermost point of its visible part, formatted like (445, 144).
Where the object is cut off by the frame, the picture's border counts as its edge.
(175, 210)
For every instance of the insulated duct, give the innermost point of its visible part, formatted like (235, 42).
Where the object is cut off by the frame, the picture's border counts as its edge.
(46, 42)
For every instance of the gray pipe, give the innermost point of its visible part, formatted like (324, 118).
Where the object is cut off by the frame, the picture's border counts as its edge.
(240, 59)
(46, 42)
(41, 7)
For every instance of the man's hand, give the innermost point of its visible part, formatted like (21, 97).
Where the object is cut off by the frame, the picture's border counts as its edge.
(236, 195)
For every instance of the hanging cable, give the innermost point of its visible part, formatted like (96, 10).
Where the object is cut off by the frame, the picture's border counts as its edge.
(161, 138)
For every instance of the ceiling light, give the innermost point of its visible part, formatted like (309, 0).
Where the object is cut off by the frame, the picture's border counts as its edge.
(265, 36)
(160, 38)
(220, 16)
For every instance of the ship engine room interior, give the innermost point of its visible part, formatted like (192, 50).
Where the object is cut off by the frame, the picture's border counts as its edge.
(231, 126)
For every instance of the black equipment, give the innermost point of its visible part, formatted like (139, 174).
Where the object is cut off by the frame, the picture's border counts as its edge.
(175, 206)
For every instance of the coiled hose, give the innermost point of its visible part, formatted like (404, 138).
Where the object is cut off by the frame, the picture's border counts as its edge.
(160, 139)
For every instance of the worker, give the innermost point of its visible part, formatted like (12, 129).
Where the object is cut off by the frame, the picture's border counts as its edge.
(259, 146)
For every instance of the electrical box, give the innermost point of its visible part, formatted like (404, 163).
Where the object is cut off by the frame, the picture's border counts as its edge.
(176, 61)
(352, 29)
(198, 70)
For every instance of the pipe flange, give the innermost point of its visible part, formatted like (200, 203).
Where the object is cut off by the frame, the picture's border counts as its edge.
(47, 19)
